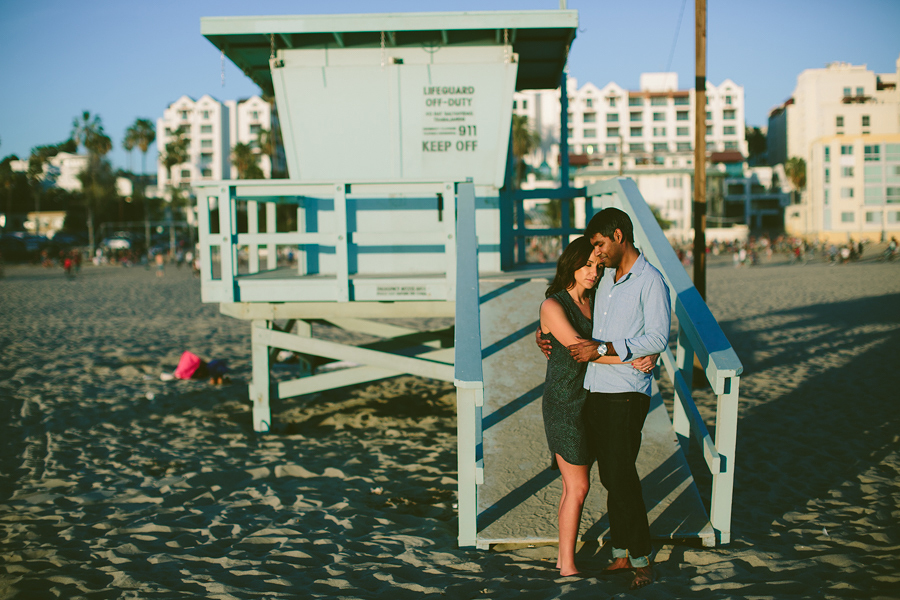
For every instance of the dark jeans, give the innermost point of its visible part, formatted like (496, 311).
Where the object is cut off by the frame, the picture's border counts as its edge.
(613, 425)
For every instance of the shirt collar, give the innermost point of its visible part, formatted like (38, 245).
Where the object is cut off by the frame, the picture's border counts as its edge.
(636, 269)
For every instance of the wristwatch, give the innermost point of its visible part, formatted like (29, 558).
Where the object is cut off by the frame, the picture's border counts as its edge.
(602, 349)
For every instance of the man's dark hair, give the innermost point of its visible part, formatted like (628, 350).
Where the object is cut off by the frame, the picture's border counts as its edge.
(607, 221)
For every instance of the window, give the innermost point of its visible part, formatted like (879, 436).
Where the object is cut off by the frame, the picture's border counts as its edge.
(637, 131)
(847, 192)
(659, 132)
(635, 101)
(865, 120)
(660, 147)
(892, 195)
(612, 132)
(681, 115)
(658, 116)
(589, 102)
(206, 143)
(729, 130)
(893, 216)
(728, 100)
(847, 92)
(612, 117)
(635, 147)
(570, 133)
(612, 148)
(872, 153)
(846, 171)
(709, 130)
(681, 100)
(732, 145)
(206, 129)
(839, 121)
(827, 175)
(728, 115)
(860, 91)
(873, 195)
(827, 154)
(611, 101)
(847, 150)
(590, 117)
(826, 196)
(515, 104)
(708, 115)
(636, 117)
(683, 146)
(892, 152)
(590, 148)
(524, 104)
(254, 129)
(659, 160)
(254, 114)
(206, 173)
(682, 131)
(205, 114)
(873, 217)
(872, 173)
(847, 217)
(658, 101)
(184, 115)
(710, 145)
(206, 157)
(185, 173)
(590, 133)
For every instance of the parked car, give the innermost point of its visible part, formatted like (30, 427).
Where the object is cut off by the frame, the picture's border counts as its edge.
(117, 241)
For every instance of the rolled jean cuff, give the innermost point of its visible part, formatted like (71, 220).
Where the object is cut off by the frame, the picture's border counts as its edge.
(619, 553)
(639, 561)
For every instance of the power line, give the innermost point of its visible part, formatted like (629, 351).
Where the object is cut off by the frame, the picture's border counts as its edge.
(675, 41)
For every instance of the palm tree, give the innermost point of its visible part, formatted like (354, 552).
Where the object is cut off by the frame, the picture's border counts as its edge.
(142, 133)
(96, 180)
(524, 141)
(244, 160)
(795, 170)
(85, 127)
(266, 141)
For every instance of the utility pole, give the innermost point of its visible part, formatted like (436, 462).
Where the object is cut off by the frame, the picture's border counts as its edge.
(700, 149)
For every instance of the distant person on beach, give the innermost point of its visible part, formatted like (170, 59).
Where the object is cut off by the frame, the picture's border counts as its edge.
(632, 311)
(160, 264)
(566, 317)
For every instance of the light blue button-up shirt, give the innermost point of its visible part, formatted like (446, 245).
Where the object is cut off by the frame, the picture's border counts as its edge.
(635, 314)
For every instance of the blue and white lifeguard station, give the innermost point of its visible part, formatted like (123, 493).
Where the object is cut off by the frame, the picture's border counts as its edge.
(396, 130)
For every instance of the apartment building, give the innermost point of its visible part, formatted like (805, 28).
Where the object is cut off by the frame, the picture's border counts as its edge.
(844, 122)
(213, 128)
(646, 134)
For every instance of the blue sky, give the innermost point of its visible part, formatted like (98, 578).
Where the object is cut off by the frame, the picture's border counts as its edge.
(124, 59)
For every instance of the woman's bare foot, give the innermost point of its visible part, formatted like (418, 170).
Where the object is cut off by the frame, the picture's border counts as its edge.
(573, 572)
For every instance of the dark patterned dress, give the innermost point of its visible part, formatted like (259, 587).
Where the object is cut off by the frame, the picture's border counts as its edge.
(564, 392)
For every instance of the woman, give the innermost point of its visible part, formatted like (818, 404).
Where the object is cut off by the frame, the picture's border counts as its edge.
(566, 319)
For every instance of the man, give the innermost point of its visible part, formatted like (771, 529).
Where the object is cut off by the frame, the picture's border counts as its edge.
(632, 317)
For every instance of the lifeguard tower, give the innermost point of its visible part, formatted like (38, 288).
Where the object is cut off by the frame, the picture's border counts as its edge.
(396, 130)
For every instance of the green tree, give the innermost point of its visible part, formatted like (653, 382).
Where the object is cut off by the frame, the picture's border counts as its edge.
(795, 171)
(524, 141)
(245, 161)
(756, 145)
(267, 142)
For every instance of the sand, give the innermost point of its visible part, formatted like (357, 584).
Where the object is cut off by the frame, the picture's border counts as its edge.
(115, 484)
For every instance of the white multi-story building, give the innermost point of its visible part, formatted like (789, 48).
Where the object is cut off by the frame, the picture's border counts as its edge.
(213, 128)
(844, 122)
(647, 135)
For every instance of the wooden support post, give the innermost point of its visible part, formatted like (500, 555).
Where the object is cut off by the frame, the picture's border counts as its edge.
(700, 150)
(301, 249)
(260, 386)
(253, 227)
(271, 249)
(726, 441)
(341, 244)
(468, 414)
(684, 362)
(227, 253)
(449, 195)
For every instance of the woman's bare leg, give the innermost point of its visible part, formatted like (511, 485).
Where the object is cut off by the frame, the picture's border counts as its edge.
(575, 488)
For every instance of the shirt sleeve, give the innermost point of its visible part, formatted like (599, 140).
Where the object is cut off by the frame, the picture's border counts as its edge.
(657, 323)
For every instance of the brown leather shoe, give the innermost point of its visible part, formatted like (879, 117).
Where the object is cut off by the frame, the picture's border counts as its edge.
(619, 564)
(643, 576)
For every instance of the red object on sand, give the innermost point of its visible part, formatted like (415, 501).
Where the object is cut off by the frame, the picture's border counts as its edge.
(187, 366)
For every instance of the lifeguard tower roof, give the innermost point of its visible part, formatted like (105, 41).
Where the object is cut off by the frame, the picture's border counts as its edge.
(541, 38)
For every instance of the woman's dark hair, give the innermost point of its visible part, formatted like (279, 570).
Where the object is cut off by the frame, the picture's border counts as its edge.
(573, 258)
